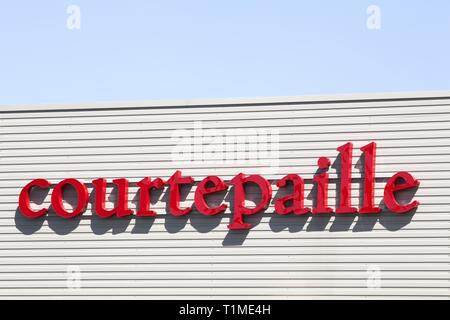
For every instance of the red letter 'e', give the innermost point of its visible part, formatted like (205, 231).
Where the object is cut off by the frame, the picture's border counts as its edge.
(392, 186)
(202, 190)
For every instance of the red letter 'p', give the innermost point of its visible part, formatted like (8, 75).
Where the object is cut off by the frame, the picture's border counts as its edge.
(239, 199)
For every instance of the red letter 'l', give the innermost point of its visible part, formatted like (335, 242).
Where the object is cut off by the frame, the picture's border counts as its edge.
(345, 195)
(369, 179)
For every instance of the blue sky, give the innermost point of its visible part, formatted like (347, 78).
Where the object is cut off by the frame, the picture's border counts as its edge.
(173, 49)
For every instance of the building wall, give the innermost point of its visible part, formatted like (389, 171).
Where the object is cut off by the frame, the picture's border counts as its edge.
(325, 256)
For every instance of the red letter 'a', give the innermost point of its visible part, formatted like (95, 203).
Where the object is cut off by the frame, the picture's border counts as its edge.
(345, 193)
(393, 186)
(121, 210)
(145, 186)
(174, 202)
(239, 199)
(202, 190)
(369, 179)
(297, 198)
(24, 199)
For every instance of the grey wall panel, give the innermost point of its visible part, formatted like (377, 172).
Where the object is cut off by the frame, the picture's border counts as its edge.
(337, 256)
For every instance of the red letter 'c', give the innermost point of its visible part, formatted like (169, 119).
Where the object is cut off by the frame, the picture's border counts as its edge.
(24, 199)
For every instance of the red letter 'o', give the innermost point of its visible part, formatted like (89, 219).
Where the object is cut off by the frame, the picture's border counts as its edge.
(57, 198)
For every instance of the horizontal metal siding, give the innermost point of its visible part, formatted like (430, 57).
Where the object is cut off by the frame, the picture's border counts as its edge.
(197, 256)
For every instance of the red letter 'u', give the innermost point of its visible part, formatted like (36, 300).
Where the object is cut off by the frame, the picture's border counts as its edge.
(121, 210)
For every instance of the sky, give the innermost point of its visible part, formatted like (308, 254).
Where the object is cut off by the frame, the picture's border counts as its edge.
(149, 50)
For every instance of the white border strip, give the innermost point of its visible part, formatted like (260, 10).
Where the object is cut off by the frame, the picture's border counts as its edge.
(426, 95)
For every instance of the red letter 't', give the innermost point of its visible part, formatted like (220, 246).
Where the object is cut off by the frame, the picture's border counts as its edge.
(145, 186)
(174, 202)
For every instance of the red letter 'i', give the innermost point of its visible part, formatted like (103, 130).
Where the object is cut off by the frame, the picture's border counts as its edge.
(322, 187)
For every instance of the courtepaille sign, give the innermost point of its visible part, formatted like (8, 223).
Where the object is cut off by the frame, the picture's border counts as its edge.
(289, 204)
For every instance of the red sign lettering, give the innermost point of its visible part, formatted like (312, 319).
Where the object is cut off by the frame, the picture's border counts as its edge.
(293, 203)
